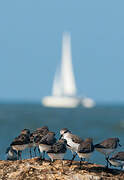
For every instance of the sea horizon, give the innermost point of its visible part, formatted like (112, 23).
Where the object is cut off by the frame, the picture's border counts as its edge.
(98, 103)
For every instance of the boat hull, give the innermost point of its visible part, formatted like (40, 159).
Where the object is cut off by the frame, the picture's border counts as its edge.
(60, 102)
(87, 102)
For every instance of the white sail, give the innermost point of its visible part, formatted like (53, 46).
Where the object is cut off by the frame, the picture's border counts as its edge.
(57, 90)
(67, 75)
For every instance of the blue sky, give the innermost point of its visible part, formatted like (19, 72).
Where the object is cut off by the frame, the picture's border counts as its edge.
(30, 47)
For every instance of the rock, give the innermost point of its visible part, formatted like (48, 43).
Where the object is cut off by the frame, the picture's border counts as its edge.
(31, 169)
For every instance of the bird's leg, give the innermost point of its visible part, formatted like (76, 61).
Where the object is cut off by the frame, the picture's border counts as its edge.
(39, 153)
(84, 159)
(50, 162)
(35, 151)
(107, 157)
(80, 162)
(109, 163)
(30, 153)
(62, 163)
(74, 155)
(20, 155)
(17, 155)
(43, 156)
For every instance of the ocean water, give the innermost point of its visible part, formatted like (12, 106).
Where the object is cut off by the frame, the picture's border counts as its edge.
(100, 122)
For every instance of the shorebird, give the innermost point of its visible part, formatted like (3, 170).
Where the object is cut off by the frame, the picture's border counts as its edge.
(117, 160)
(35, 135)
(85, 149)
(45, 142)
(25, 132)
(11, 154)
(57, 150)
(107, 147)
(21, 142)
(73, 141)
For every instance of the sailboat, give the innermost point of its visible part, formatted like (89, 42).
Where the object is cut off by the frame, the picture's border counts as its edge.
(64, 91)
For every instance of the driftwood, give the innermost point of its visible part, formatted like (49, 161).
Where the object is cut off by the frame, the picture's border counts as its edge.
(29, 169)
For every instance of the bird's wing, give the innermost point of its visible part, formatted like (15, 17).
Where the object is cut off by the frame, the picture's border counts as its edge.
(76, 139)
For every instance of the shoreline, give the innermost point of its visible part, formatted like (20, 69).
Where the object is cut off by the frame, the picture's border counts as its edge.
(37, 169)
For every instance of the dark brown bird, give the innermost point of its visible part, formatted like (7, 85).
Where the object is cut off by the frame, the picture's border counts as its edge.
(85, 149)
(58, 150)
(36, 136)
(107, 147)
(117, 160)
(45, 142)
(20, 143)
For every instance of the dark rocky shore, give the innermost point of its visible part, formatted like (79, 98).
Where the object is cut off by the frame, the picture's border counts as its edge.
(36, 169)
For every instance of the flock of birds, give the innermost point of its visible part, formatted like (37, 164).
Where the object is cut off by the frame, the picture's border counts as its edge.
(46, 142)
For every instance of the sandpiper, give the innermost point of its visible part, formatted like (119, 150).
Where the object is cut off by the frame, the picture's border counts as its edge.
(35, 136)
(107, 147)
(46, 142)
(57, 150)
(43, 130)
(73, 141)
(11, 154)
(25, 132)
(21, 142)
(85, 149)
(117, 160)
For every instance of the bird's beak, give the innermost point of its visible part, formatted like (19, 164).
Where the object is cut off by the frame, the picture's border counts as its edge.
(60, 137)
